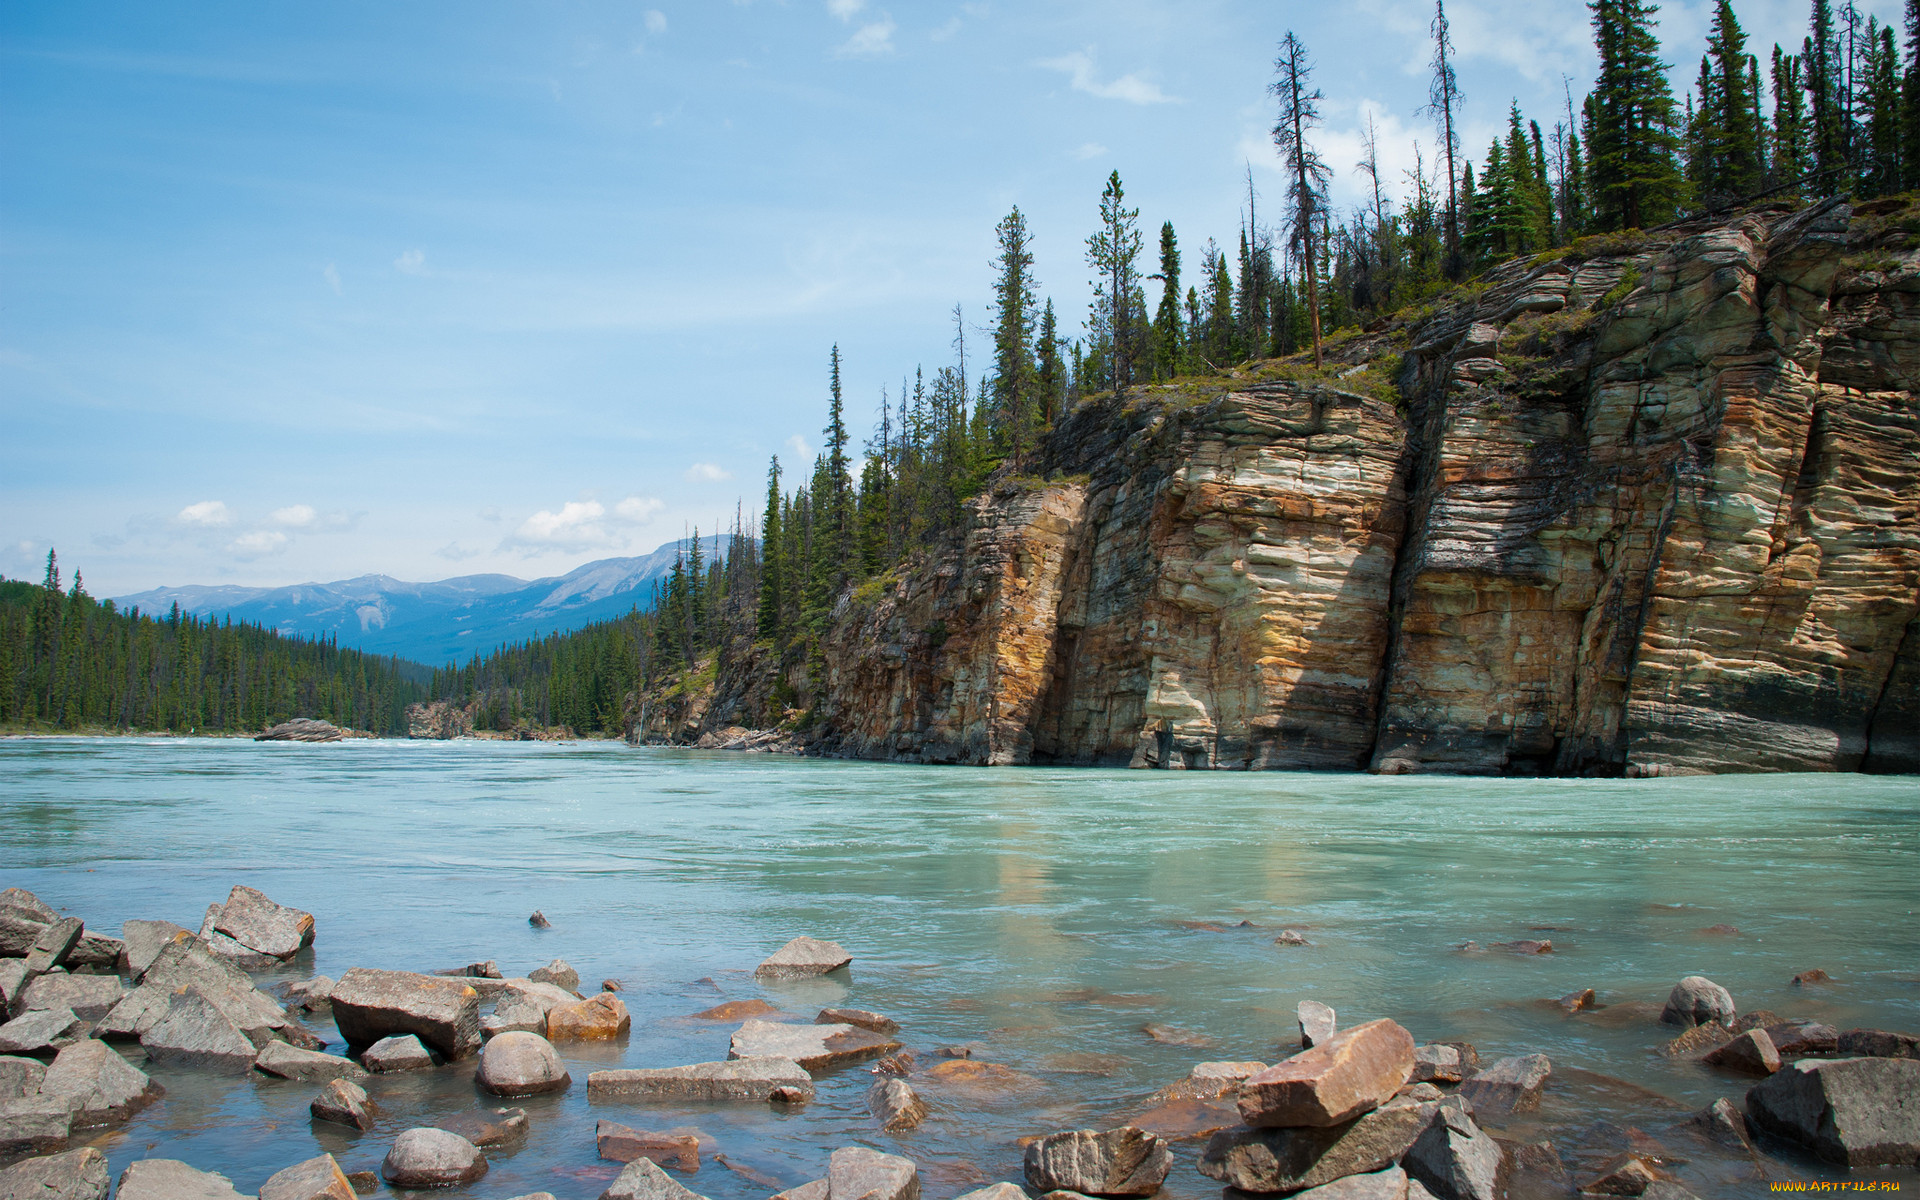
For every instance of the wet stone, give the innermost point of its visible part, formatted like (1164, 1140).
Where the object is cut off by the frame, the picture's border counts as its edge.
(283, 1061)
(620, 1143)
(1625, 1175)
(1454, 1159)
(803, 957)
(1579, 1001)
(1291, 937)
(195, 1032)
(1292, 1159)
(1438, 1062)
(371, 1005)
(315, 1179)
(427, 1157)
(1333, 1082)
(34, 1125)
(815, 1047)
(1797, 1039)
(895, 1104)
(521, 1064)
(74, 1175)
(1878, 1043)
(1752, 1053)
(539, 920)
(262, 926)
(171, 1179)
(1723, 1123)
(1113, 1162)
(97, 1084)
(559, 973)
(1696, 1000)
(1700, 1040)
(602, 1017)
(1316, 1020)
(736, 1010)
(402, 1053)
(343, 1102)
(750, 1079)
(859, 1017)
(642, 1179)
(1811, 977)
(1511, 1085)
(1858, 1112)
(857, 1173)
(488, 1127)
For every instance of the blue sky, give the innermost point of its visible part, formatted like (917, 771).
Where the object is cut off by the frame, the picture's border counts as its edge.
(295, 292)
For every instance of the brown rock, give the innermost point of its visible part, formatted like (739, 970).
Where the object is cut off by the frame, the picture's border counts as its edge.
(1113, 1162)
(262, 926)
(1759, 1018)
(75, 1175)
(1797, 1039)
(343, 1102)
(1300, 1157)
(559, 973)
(618, 1143)
(1438, 1062)
(1579, 1001)
(896, 1105)
(736, 1010)
(601, 1017)
(1524, 946)
(1809, 977)
(432, 1158)
(1723, 1123)
(1186, 1119)
(815, 1047)
(1878, 1043)
(1333, 1082)
(802, 957)
(1626, 1175)
(1699, 1040)
(857, 1017)
(444, 1013)
(754, 1079)
(1751, 1053)
(488, 1127)
(315, 1179)
(1509, 1086)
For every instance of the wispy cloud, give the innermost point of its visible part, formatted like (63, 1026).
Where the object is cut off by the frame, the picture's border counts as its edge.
(801, 449)
(873, 40)
(1131, 88)
(946, 31)
(656, 22)
(706, 473)
(331, 274)
(846, 10)
(258, 544)
(638, 510)
(412, 262)
(294, 516)
(455, 552)
(582, 525)
(1089, 150)
(207, 513)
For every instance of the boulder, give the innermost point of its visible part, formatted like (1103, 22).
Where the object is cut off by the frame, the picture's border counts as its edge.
(1289, 1160)
(227, 949)
(1877, 1043)
(754, 1079)
(642, 1179)
(369, 1005)
(1417, 1093)
(1531, 1169)
(489, 1126)
(801, 957)
(737, 1010)
(311, 995)
(41, 1033)
(539, 920)
(1454, 1159)
(1317, 1022)
(56, 940)
(262, 926)
(96, 950)
(857, 1173)
(895, 1104)
(1511, 1085)
(521, 1064)
(1578, 1001)
(618, 1143)
(558, 973)
(1701, 1039)
(13, 983)
(22, 918)
(282, 1061)
(1333, 1082)
(192, 962)
(195, 1032)
(171, 1179)
(812, 1190)
(75, 1175)
(343, 1102)
(788, 1095)
(1858, 1112)
(34, 1125)
(404, 1052)
(426, 1157)
(1390, 1184)
(1623, 1175)
(516, 1012)
(1111, 1162)
(611, 985)
(815, 1047)
(859, 1017)
(20, 1076)
(315, 1179)
(89, 996)
(1797, 1039)
(1752, 1053)
(1723, 1123)
(1810, 977)
(1696, 1000)
(1438, 1062)
(97, 1084)
(600, 1018)
(144, 941)
(1758, 1018)
(1291, 937)
(996, 1191)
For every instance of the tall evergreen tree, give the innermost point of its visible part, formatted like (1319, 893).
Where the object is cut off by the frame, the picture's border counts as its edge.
(1113, 253)
(772, 558)
(1910, 102)
(1789, 120)
(1636, 179)
(1307, 173)
(1824, 80)
(1738, 154)
(1013, 328)
(1050, 377)
(1169, 337)
(1443, 98)
(837, 492)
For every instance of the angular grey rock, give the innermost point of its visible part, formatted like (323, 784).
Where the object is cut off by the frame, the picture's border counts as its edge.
(801, 957)
(1289, 1160)
(343, 1102)
(1797, 1039)
(55, 942)
(96, 950)
(310, 995)
(642, 1179)
(1511, 1085)
(1858, 1112)
(1878, 1043)
(858, 1017)
(144, 941)
(196, 1033)
(1454, 1159)
(371, 1005)
(171, 1179)
(13, 981)
(75, 1175)
(192, 962)
(816, 1189)
(89, 996)
(20, 1076)
(427, 1157)
(1696, 1000)
(739, 1079)
(1438, 1062)
(1723, 1123)
(895, 1104)
(97, 1084)
(558, 973)
(619, 1143)
(41, 1033)
(515, 1013)
(521, 1064)
(1390, 1184)
(857, 1173)
(488, 1127)
(1111, 1162)
(993, 1191)
(27, 906)
(1751, 1053)
(1666, 1189)
(34, 1125)
(1622, 1175)
(315, 1179)
(1317, 1022)
(815, 1047)
(290, 1062)
(22, 918)
(262, 926)
(404, 1052)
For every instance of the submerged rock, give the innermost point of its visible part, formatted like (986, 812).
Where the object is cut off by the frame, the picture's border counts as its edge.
(1696, 1000)
(1858, 1112)
(754, 1079)
(619, 1143)
(1623, 1175)
(488, 1127)
(1301, 1157)
(558, 973)
(1723, 1123)
(290, 1062)
(74, 1175)
(895, 1104)
(1112, 1162)
(403, 1052)
(815, 1047)
(858, 1017)
(171, 1179)
(857, 1173)
(1511, 1085)
(1333, 1082)
(427, 1157)
(642, 1179)
(602, 1017)
(521, 1064)
(1698, 1041)
(802, 957)
(736, 1010)
(1877, 1043)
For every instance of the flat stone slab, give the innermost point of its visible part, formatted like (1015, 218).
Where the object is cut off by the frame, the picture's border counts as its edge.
(857, 1173)
(623, 1144)
(1858, 1112)
(1510, 1085)
(34, 1125)
(815, 1047)
(855, 1016)
(753, 1079)
(171, 1179)
(404, 1052)
(89, 996)
(144, 941)
(74, 1175)
(290, 1062)
(195, 1032)
(802, 957)
(41, 1033)
(315, 1179)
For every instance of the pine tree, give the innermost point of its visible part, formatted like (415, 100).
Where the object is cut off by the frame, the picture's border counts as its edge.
(1113, 253)
(1443, 98)
(1824, 81)
(1789, 120)
(1169, 336)
(1013, 328)
(1636, 179)
(1307, 174)
(1050, 378)
(1736, 151)
(838, 491)
(772, 558)
(1880, 102)
(1910, 102)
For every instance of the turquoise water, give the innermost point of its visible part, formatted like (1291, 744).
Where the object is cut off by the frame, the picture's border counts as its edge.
(1044, 916)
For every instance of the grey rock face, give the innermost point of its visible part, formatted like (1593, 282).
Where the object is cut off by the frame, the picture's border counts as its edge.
(96, 950)
(1454, 1159)
(283, 1061)
(22, 918)
(371, 1005)
(1696, 1000)
(814, 1047)
(739, 1079)
(488, 1127)
(144, 941)
(89, 996)
(1289, 1160)
(1878, 1043)
(310, 995)
(1113, 1162)
(995, 1191)
(558, 973)
(13, 982)
(97, 1083)
(41, 1033)
(192, 962)
(34, 1125)
(857, 1173)
(1509, 1086)
(315, 1179)
(195, 1032)
(432, 1158)
(895, 1104)
(403, 1053)
(1317, 1022)
(1438, 1062)
(262, 926)
(55, 942)
(801, 957)
(1723, 1123)
(75, 1175)
(1390, 1184)
(171, 1179)
(343, 1102)
(1859, 1112)
(20, 1076)
(642, 1179)
(521, 1064)
(1332, 1083)
(515, 1013)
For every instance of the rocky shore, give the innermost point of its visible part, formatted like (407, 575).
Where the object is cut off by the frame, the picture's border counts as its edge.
(1357, 1113)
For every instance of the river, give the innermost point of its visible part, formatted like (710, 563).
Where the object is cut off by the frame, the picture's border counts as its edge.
(1045, 917)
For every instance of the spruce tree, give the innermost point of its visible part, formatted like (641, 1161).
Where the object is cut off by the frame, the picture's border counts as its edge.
(1113, 253)
(1910, 102)
(772, 557)
(1307, 173)
(1013, 327)
(1736, 148)
(1168, 335)
(1789, 120)
(1443, 99)
(1824, 79)
(837, 493)
(1050, 373)
(1636, 179)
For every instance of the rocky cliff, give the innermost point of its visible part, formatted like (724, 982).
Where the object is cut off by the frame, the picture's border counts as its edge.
(1647, 506)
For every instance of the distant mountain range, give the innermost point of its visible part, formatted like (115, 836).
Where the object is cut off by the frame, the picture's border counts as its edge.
(434, 623)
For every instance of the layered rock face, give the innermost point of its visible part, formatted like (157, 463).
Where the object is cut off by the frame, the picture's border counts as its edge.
(1649, 507)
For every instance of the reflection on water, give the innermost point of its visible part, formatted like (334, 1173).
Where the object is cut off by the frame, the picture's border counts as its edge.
(1043, 916)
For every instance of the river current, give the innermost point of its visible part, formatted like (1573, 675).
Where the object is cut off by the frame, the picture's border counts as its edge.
(1042, 917)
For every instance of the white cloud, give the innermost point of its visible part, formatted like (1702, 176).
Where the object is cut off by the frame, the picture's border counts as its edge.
(259, 543)
(656, 22)
(332, 275)
(583, 525)
(296, 516)
(638, 510)
(1089, 150)
(707, 473)
(1130, 88)
(207, 512)
(455, 552)
(801, 449)
(846, 10)
(873, 40)
(576, 520)
(413, 262)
